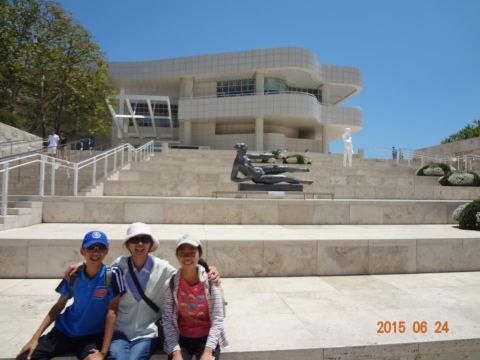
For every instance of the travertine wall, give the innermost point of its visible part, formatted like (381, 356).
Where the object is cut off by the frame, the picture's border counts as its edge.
(461, 147)
(9, 133)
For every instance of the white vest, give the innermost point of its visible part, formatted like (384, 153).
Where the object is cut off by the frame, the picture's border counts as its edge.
(135, 318)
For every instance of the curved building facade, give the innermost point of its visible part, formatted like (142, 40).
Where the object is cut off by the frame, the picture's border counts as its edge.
(279, 98)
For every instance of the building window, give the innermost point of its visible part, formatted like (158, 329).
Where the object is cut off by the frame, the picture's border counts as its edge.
(160, 111)
(274, 85)
(140, 108)
(235, 87)
(315, 92)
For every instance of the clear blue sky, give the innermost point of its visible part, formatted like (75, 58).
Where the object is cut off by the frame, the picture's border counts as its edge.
(420, 59)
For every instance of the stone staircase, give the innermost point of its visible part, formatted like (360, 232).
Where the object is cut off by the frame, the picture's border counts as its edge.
(305, 278)
(22, 211)
(205, 171)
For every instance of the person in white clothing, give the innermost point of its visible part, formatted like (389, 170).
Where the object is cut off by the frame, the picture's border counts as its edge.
(53, 140)
(347, 148)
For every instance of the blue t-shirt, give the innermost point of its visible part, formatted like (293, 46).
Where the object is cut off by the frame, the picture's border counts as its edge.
(86, 315)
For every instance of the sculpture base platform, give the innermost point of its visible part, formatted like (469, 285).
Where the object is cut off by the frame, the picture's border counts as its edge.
(270, 187)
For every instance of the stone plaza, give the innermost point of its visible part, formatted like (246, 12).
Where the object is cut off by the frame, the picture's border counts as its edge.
(381, 271)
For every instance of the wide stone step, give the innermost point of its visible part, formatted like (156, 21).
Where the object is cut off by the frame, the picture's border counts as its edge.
(326, 166)
(358, 187)
(252, 250)
(18, 211)
(324, 318)
(198, 210)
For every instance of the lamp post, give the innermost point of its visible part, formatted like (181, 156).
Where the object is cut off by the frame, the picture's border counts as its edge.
(42, 105)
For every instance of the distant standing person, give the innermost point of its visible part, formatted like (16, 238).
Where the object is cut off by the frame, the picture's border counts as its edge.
(347, 148)
(53, 140)
(394, 153)
(63, 144)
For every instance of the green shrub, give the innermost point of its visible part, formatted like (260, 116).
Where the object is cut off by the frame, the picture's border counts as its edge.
(458, 211)
(296, 159)
(469, 218)
(460, 178)
(434, 169)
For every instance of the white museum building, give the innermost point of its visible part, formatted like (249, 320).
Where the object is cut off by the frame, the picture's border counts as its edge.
(280, 98)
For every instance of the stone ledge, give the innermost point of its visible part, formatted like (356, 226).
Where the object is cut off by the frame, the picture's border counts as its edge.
(245, 251)
(197, 210)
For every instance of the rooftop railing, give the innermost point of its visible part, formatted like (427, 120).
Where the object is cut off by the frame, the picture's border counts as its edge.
(109, 160)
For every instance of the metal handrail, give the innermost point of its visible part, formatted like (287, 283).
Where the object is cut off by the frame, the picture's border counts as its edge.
(464, 161)
(9, 146)
(40, 147)
(133, 154)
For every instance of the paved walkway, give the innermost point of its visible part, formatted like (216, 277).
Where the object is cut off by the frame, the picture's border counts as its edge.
(116, 232)
(320, 317)
(311, 317)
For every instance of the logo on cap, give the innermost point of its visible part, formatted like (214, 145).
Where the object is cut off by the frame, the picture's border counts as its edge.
(96, 235)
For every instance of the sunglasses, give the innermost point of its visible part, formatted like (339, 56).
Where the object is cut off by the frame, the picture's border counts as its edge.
(144, 239)
(96, 247)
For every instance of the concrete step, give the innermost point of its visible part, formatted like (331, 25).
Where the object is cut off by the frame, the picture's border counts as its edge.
(18, 211)
(324, 318)
(203, 185)
(22, 211)
(252, 250)
(21, 217)
(259, 211)
(24, 204)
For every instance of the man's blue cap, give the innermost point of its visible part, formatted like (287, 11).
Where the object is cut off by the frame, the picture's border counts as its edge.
(94, 237)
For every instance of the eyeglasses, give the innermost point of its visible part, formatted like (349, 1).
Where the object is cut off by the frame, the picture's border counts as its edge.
(96, 247)
(145, 239)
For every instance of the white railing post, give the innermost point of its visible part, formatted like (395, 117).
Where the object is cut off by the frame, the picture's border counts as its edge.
(94, 172)
(75, 180)
(122, 157)
(115, 160)
(52, 178)
(105, 167)
(41, 186)
(5, 189)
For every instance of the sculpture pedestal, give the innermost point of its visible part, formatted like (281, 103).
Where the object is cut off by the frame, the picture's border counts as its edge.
(270, 187)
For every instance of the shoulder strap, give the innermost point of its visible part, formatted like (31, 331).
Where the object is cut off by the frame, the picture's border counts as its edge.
(139, 288)
(107, 278)
(72, 280)
(172, 284)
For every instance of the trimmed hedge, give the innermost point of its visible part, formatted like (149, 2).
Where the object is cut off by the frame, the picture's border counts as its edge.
(460, 178)
(469, 217)
(457, 212)
(296, 159)
(434, 169)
